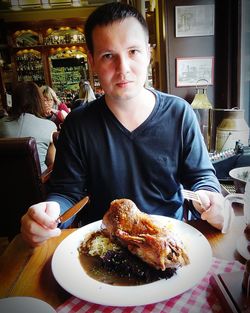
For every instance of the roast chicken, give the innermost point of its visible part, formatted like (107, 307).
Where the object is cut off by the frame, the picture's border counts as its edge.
(154, 244)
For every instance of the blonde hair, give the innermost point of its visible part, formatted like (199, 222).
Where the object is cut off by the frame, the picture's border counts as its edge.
(50, 94)
(86, 92)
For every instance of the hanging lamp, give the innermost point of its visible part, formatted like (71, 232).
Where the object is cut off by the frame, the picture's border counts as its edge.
(201, 100)
(202, 108)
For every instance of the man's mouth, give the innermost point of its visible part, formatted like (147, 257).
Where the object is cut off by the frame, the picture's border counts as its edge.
(123, 84)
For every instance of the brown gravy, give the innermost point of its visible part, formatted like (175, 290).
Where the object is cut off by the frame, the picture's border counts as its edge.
(92, 266)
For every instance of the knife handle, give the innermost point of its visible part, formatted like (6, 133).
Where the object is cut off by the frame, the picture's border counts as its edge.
(72, 211)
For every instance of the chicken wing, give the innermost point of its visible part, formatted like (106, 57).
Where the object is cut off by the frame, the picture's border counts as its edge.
(155, 245)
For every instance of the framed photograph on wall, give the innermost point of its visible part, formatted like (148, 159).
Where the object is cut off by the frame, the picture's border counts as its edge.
(192, 69)
(194, 20)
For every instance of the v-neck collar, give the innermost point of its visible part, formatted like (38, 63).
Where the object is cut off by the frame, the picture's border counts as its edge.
(138, 129)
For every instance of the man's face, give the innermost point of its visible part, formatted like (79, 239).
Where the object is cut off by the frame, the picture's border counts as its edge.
(121, 57)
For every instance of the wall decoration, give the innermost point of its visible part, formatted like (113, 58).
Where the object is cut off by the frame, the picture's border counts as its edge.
(192, 69)
(194, 20)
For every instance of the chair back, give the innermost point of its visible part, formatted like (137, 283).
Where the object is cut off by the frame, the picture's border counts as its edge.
(21, 184)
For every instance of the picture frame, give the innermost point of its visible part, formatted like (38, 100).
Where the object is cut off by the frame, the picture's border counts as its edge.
(194, 20)
(192, 71)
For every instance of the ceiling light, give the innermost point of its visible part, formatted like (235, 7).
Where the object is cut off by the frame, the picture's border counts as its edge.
(45, 4)
(76, 3)
(15, 5)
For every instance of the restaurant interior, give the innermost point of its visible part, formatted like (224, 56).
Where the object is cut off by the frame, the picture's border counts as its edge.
(200, 51)
(43, 41)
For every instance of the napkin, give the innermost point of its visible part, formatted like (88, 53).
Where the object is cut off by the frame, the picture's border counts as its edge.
(199, 299)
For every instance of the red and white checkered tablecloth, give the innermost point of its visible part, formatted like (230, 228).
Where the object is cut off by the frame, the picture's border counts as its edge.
(199, 299)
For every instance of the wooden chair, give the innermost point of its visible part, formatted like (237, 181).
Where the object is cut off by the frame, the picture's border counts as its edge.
(22, 182)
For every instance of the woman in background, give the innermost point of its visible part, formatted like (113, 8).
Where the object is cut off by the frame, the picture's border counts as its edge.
(27, 118)
(86, 94)
(55, 110)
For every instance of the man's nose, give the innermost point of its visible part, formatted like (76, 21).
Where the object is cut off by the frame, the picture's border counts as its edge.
(123, 64)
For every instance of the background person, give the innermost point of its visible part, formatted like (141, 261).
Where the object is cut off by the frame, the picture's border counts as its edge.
(133, 142)
(27, 118)
(55, 110)
(85, 95)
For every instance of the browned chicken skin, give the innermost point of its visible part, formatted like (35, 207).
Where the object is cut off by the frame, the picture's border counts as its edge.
(155, 245)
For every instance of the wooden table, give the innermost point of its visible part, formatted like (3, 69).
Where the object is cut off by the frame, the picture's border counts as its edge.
(27, 272)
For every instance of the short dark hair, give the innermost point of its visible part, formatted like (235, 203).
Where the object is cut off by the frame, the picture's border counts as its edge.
(107, 14)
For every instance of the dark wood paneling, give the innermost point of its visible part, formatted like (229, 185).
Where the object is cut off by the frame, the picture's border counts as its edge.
(197, 46)
(227, 70)
(224, 46)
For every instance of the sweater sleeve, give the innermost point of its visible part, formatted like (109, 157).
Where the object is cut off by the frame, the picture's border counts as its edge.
(68, 180)
(65, 204)
(198, 171)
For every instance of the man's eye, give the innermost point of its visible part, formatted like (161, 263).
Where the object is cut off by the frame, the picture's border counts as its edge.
(133, 52)
(107, 56)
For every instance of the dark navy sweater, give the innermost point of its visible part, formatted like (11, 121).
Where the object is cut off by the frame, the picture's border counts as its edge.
(98, 156)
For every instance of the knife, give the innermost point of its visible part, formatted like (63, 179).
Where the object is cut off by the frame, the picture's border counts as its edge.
(73, 210)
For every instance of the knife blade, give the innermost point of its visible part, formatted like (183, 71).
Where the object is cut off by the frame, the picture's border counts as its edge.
(73, 210)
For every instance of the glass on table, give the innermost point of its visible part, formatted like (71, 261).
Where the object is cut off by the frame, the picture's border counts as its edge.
(242, 198)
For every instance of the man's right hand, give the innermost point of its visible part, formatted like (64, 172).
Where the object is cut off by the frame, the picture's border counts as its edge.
(39, 223)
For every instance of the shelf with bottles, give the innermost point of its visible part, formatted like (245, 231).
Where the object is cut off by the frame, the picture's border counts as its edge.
(29, 66)
(63, 87)
(64, 35)
(67, 67)
(26, 38)
(62, 54)
(63, 79)
(66, 82)
(69, 74)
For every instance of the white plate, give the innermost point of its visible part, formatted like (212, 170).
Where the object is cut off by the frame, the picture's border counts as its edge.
(71, 276)
(24, 305)
(241, 246)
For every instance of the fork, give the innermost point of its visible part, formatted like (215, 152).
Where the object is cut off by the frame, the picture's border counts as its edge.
(191, 195)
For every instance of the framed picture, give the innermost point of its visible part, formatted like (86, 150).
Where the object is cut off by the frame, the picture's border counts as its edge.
(190, 70)
(194, 20)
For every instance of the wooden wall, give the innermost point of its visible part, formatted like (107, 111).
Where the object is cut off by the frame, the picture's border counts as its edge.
(200, 46)
(223, 45)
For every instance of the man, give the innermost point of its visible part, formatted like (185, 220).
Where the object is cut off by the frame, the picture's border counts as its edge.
(131, 143)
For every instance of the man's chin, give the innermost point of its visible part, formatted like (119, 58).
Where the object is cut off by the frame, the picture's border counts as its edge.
(127, 94)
